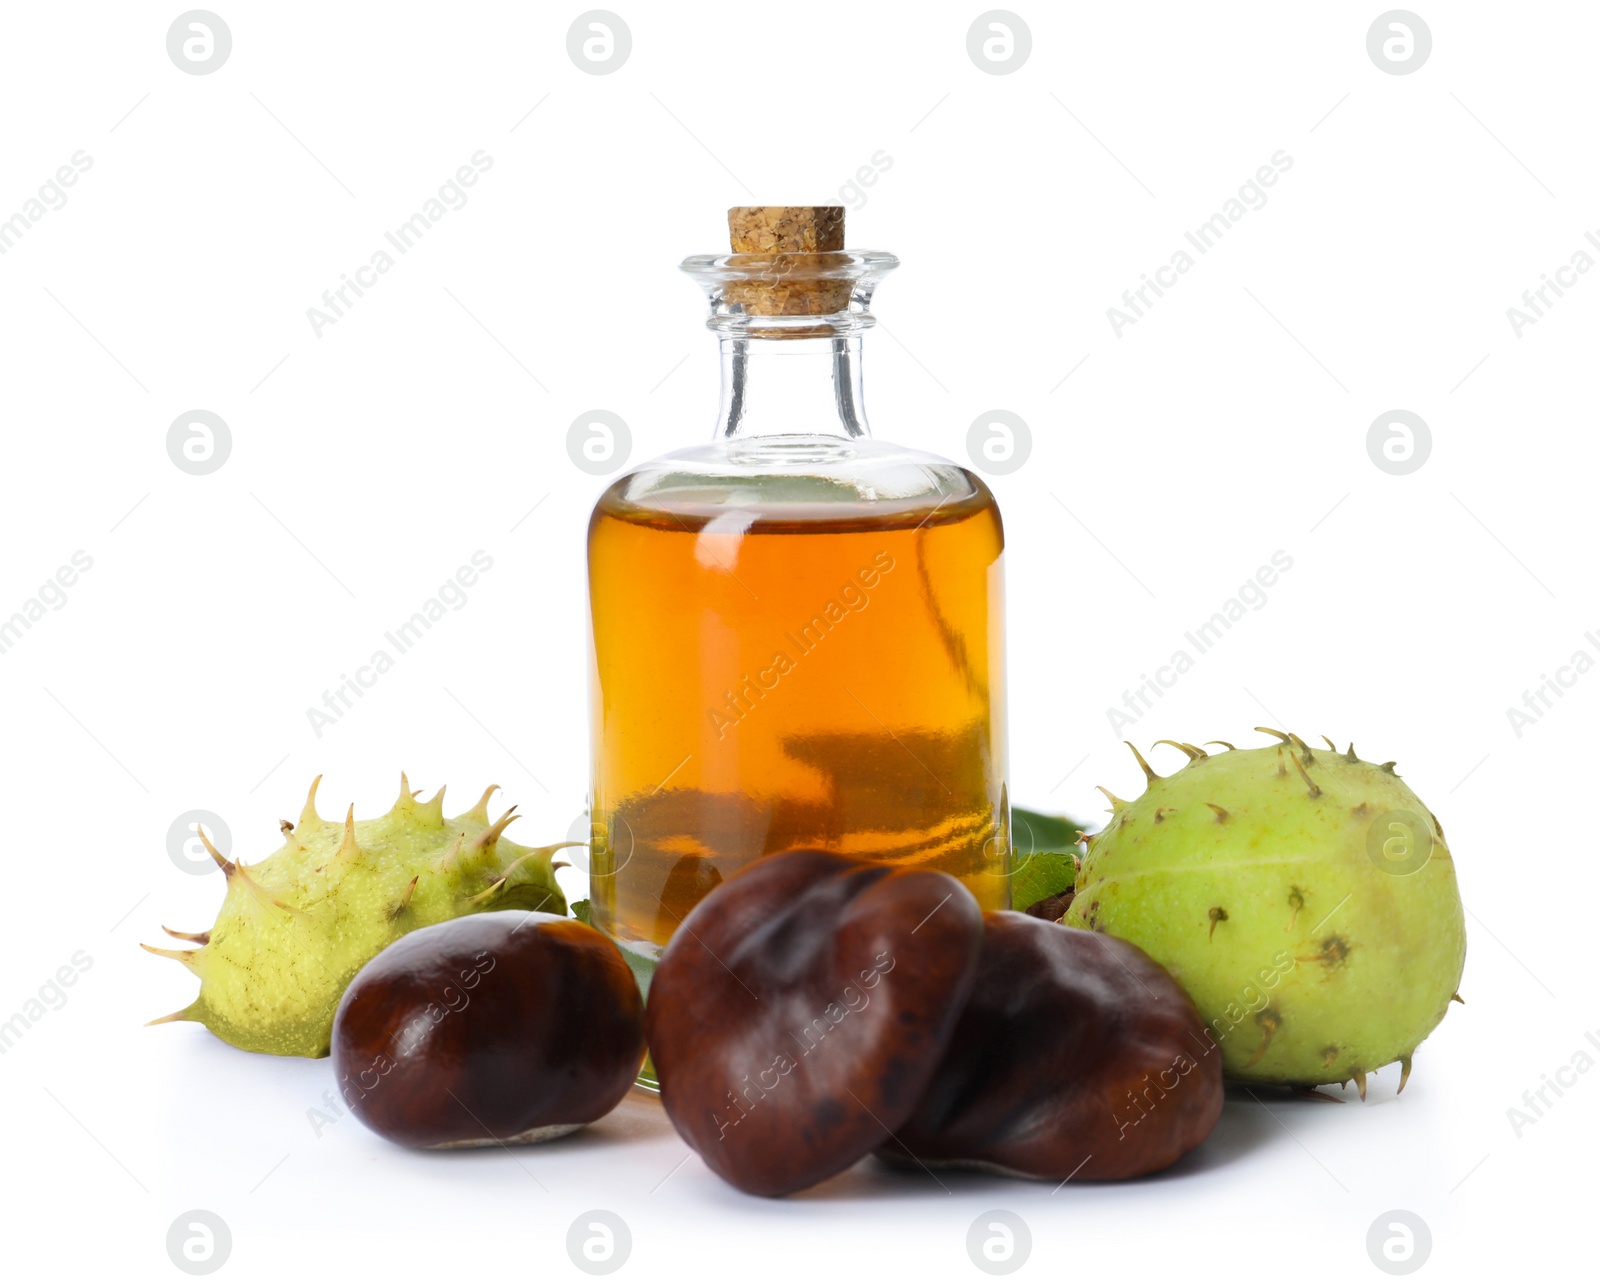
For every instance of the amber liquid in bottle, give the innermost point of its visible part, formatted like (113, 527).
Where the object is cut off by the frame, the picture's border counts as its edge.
(784, 676)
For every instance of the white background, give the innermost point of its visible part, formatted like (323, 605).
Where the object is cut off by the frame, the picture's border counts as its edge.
(366, 465)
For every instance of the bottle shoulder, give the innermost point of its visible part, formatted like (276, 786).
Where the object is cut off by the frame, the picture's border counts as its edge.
(829, 481)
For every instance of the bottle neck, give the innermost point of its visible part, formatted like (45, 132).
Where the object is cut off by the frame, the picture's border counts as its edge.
(792, 386)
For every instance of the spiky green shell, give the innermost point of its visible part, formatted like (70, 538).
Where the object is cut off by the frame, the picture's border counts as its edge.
(294, 928)
(1306, 900)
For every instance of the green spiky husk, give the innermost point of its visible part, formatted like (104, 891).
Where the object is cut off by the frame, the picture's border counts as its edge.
(294, 929)
(1250, 875)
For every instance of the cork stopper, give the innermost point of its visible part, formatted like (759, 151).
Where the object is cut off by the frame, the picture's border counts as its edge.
(765, 230)
(787, 248)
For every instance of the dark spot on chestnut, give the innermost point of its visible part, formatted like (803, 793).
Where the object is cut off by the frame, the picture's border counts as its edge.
(800, 1010)
(1077, 1055)
(829, 1115)
(500, 1027)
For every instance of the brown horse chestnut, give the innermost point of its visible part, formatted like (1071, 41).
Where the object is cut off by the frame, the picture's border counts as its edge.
(495, 1028)
(800, 1009)
(1076, 1056)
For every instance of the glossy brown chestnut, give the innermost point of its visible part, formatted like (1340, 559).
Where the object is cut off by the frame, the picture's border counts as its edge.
(800, 1009)
(1077, 1055)
(501, 1027)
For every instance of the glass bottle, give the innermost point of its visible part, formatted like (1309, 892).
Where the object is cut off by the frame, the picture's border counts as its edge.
(796, 630)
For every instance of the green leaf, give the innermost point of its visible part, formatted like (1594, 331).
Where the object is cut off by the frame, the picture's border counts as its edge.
(1046, 849)
(642, 966)
(1043, 832)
